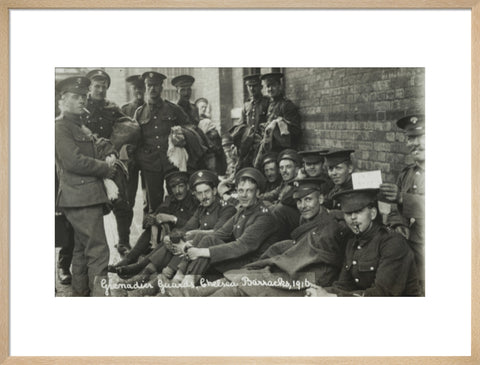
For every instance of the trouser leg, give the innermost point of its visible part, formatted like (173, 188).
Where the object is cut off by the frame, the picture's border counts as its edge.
(419, 253)
(154, 186)
(200, 265)
(91, 253)
(65, 254)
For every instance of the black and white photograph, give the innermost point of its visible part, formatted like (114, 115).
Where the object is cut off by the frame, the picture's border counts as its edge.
(240, 182)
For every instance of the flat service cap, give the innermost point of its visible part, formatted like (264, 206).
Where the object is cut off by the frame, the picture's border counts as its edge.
(269, 157)
(176, 177)
(290, 154)
(355, 200)
(272, 76)
(333, 158)
(135, 80)
(253, 174)
(183, 81)
(154, 76)
(413, 125)
(76, 84)
(252, 79)
(313, 156)
(99, 74)
(203, 177)
(308, 185)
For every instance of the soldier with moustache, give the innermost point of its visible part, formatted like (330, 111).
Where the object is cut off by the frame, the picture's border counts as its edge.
(81, 194)
(271, 172)
(409, 191)
(282, 128)
(247, 133)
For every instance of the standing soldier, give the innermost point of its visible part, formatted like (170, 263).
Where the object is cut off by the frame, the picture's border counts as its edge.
(137, 87)
(103, 114)
(156, 118)
(409, 191)
(283, 120)
(81, 193)
(247, 133)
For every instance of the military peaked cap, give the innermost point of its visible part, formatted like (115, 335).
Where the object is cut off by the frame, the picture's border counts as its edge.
(413, 125)
(99, 74)
(76, 85)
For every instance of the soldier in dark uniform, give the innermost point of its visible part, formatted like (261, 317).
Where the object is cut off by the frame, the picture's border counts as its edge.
(409, 191)
(156, 118)
(340, 168)
(175, 211)
(313, 165)
(103, 114)
(242, 239)
(211, 215)
(81, 193)
(284, 207)
(248, 132)
(282, 128)
(378, 261)
(271, 172)
(137, 87)
(183, 84)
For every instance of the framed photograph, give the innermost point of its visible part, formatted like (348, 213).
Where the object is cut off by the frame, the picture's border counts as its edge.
(360, 78)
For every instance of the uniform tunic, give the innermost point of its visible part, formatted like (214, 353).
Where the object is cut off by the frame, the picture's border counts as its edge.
(103, 115)
(273, 141)
(156, 121)
(247, 133)
(212, 217)
(242, 239)
(130, 108)
(330, 203)
(411, 183)
(82, 198)
(377, 263)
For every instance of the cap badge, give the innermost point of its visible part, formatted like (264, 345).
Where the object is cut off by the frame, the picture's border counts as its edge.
(150, 74)
(200, 174)
(414, 120)
(296, 184)
(79, 80)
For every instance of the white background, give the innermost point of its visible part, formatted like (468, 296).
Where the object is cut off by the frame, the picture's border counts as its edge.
(436, 325)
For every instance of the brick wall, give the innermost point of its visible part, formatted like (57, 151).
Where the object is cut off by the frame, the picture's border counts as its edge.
(357, 108)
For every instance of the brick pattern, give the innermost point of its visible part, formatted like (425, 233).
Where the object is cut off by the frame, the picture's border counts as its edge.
(357, 108)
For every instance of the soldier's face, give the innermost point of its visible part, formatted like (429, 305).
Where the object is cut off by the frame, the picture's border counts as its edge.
(205, 194)
(254, 90)
(180, 191)
(340, 173)
(361, 220)
(247, 193)
(416, 144)
(185, 93)
(313, 169)
(273, 88)
(138, 92)
(153, 90)
(288, 170)
(74, 103)
(309, 205)
(98, 89)
(270, 171)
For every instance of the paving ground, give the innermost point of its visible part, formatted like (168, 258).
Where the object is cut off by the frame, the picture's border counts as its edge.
(112, 237)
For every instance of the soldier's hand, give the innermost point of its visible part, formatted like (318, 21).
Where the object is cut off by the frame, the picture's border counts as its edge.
(149, 220)
(318, 291)
(165, 218)
(194, 253)
(390, 191)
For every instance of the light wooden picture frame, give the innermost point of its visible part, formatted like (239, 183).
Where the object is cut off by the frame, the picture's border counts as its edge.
(7, 5)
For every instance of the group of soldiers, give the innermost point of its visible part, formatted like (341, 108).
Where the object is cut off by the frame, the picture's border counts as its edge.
(244, 215)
